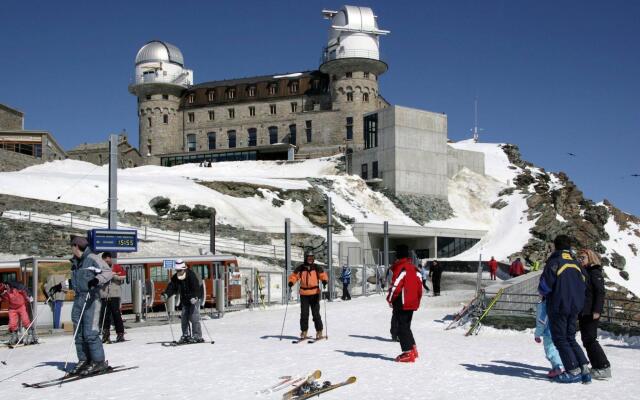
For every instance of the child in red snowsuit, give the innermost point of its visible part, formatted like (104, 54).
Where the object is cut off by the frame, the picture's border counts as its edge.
(18, 300)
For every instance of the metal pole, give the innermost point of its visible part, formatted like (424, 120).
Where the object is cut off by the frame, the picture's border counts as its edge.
(113, 182)
(329, 246)
(212, 233)
(386, 245)
(34, 283)
(479, 277)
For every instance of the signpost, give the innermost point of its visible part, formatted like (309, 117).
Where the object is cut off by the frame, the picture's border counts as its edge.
(113, 240)
(169, 264)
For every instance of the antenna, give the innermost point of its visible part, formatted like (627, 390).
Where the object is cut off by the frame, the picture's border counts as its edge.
(476, 130)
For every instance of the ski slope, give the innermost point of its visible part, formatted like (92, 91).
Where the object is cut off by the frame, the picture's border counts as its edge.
(248, 356)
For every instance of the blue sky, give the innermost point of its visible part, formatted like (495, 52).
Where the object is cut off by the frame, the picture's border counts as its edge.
(551, 76)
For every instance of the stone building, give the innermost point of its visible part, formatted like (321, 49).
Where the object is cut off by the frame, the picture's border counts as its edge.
(98, 153)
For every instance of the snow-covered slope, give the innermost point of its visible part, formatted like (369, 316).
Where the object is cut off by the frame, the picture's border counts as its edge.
(625, 242)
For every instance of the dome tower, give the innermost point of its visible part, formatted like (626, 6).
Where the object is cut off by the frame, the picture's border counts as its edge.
(159, 82)
(352, 61)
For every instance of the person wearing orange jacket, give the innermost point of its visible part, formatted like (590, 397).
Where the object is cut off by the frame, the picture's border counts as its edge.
(309, 275)
(18, 300)
(493, 268)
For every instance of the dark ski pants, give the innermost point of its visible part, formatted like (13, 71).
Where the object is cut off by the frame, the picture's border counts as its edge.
(57, 311)
(111, 312)
(88, 343)
(191, 315)
(404, 326)
(345, 292)
(394, 325)
(563, 333)
(589, 335)
(492, 274)
(435, 280)
(313, 302)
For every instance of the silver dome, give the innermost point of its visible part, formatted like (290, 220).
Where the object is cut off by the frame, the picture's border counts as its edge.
(157, 50)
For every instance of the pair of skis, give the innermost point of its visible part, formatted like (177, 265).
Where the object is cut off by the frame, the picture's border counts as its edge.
(72, 378)
(309, 388)
(309, 340)
(286, 381)
(176, 344)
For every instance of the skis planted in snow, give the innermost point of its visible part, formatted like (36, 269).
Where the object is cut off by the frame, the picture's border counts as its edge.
(304, 339)
(313, 340)
(476, 325)
(176, 344)
(318, 392)
(312, 377)
(73, 378)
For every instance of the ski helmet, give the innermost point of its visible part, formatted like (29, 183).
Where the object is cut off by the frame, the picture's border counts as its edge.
(309, 252)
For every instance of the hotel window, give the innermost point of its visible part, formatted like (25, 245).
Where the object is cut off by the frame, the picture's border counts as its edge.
(165, 97)
(293, 87)
(272, 109)
(350, 96)
(315, 84)
(294, 107)
(231, 94)
(349, 74)
(292, 134)
(232, 113)
(192, 117)
(165, 118)
(232, 138)
(192, 98)
(212, 115)
(253, 137)
(251, 92)
(211, 95)
(273, 88)
(365, 97)
(211, 138)
(370, 131)
(365, 172)
(308, 130)
(273, 134)
(349, 128)
(148, 97)
(366, 75)
(252, 111)
(191, 142)
(149, 122)
(374, 169)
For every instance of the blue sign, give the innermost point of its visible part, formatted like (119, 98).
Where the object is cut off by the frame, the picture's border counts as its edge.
(169, 264)
(117, 240)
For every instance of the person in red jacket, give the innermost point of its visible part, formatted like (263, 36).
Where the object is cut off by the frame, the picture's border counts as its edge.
(18, 300)
(493, 268)
(404, 297)
(516, 268)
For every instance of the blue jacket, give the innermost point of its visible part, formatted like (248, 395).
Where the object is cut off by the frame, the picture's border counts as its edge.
(87, 267)
(542, 321)
(345, 276)
(562, 283)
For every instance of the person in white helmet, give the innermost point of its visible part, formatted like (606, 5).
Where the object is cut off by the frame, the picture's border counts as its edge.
(185, 283)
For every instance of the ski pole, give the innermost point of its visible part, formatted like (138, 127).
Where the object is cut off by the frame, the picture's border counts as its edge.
(285, 313)
(35, 317)
(66, 360)
(326, 322)
(104, 314)
(202, 323)
(169, 318)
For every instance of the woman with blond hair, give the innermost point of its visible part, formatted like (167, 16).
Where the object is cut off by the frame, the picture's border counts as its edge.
(590, 318)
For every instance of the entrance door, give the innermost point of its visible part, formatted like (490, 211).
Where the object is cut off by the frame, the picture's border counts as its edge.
(134, 272)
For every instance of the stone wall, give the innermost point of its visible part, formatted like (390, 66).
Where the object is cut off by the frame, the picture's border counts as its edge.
(12, 161)
(10, 119)
(458, 159)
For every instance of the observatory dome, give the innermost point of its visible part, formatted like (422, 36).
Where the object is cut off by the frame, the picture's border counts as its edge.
(157, 50)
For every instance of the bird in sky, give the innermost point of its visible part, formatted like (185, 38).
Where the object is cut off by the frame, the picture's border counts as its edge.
(571, 154)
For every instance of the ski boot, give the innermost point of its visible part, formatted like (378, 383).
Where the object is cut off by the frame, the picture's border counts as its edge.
(94, 368)
(184, 339)
(13, 339)
(601, 373)
(319, 335)
(406, 357)
(80, 366)
(585, 374)
(197, 340)
(303, 335)
(573, 376)
(415, 351)
(554, 372)
(120, 337)
(106, 336)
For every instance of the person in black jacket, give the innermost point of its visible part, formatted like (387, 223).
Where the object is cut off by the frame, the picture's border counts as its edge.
(563, 285)
(590, 318)
(186, 283)
(435, 272)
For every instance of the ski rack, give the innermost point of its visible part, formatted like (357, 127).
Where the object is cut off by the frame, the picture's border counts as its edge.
(475, 327)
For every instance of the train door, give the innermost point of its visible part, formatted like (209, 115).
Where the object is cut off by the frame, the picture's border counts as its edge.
(134, 272)
(26, 266)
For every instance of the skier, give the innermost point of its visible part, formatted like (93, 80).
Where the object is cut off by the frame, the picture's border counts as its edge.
(110, 295)
(345, 277)
(591, 312)
(57, 298)
(535, 266)
(404, 297)
(563, 285)
(493, 268)
(435, 272)
(88, 273)
(516, 268)
(18, 298)
(543, 331)
(185, 282)
(310, 275)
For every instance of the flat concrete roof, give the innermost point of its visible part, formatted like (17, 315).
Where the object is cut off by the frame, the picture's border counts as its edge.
(417, 231)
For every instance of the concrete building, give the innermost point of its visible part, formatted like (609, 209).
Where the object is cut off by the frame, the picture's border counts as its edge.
(98, 153)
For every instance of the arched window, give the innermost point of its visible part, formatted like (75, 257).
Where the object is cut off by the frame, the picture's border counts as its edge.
(365, 97)
(349, 96)
(165, 118)
(273, 134)
(232, 138)
(211, 139)
(211, 95)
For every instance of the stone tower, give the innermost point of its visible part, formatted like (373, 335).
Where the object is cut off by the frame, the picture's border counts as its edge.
(352, 61)
(160, 81)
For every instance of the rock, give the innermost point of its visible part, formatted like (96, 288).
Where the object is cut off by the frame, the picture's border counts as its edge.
(199, 211)
(160, 205)
(277, 202)
(499, 204)
(506, 192)
(421, 209)
(624, 275)
(618, 261)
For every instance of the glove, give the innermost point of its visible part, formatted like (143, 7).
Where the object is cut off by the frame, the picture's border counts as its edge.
(290, 284)
(55, 289)
(164, 297)
(93, 283)
(537, 339)
(193, 300)
(30, 299)
(324, 284)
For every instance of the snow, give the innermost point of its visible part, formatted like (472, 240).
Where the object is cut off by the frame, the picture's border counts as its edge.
(621, 242)
(496, 163)
(292, 75)
(560, 218)
(249, 356)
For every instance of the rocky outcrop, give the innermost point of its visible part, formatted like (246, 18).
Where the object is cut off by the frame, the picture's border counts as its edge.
(421, 209)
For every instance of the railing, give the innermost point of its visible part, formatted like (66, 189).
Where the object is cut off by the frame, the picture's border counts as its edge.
(353, 53)
(235, 246)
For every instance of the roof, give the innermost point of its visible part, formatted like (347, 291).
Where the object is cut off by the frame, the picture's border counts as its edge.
(256, 79)
(11, 110)
(157, 50)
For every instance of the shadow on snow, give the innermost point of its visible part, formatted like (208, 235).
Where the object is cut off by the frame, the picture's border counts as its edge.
(510, 368)
(365, 355)
(380, 338)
